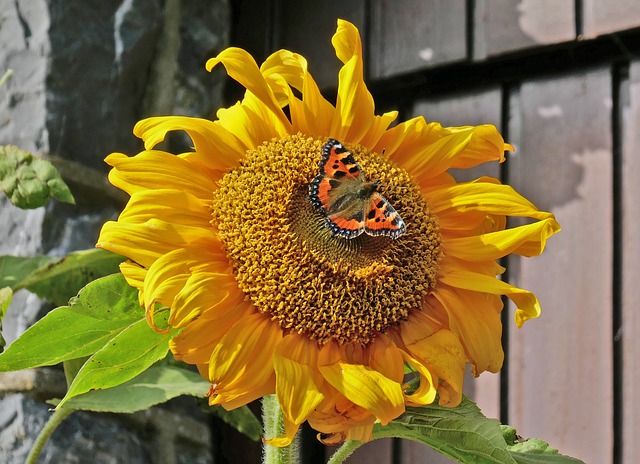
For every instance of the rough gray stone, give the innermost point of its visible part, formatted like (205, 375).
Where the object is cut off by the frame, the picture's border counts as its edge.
(84, 74)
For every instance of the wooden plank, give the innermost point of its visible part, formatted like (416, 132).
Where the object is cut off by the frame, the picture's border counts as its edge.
(416, 34)
(561, 364)
(631, 268)
(504, 25)
(307, 28)
(605, 16)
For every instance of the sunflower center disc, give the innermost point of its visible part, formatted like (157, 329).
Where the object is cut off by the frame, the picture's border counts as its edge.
(287, 262)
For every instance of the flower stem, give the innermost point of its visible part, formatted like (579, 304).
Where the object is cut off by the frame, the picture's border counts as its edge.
(274, 426)
(52, 424)
(344, 451)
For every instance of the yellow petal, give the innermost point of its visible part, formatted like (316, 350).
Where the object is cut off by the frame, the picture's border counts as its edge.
(240, 397)
(298, 381)
(204, 292)
(315, 114)
(221, 146)
(168, 275)
(426, 391)
(528, 306)
(528, 240)
(354, 103)
(170, 205)
(384, 357)
(290, 430)
(158, 170)
(196, 341)
(242, 67)
(247, 120)
(144, 243)
(361, 384)
(242, 360)
(475, 319)
(437, 349)
(485, 197)
(430, 149)
(133, 273)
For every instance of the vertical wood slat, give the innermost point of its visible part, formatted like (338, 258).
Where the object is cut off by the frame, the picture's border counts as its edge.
(606, 16)
(561, 364)
(504, 25)
(416, 34)
(631, 268)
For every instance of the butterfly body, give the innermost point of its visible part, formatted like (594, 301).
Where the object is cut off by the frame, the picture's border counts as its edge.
(351, 205)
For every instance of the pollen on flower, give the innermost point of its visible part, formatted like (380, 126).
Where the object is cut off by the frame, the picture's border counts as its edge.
(291, 267)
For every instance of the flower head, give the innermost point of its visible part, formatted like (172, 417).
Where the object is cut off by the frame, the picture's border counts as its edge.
(276, 294)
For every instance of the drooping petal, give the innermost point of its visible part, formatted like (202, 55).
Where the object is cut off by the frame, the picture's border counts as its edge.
(528, 240)
(485, 197)
(242, 360)
(527, 304)
(298, 382)
(475, 319)
(361, 384)
(427, 388)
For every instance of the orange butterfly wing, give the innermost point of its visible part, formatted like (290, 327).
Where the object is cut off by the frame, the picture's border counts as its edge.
(336, 166)
(380, 218)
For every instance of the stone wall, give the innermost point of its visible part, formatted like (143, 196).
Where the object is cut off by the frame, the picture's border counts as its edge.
(83, 74)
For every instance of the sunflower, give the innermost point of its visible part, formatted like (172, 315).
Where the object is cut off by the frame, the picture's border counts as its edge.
(271, 300)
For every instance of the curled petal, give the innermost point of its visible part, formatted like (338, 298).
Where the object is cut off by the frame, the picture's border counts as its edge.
(527, 304)
(222, 147)
(439, 351)
(242, 67)
(361, 384)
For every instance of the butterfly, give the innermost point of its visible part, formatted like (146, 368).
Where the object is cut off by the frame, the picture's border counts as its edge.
(350, 204)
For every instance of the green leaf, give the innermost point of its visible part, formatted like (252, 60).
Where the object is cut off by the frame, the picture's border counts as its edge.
(156, 385)
(6, 294)
(241, 419)
(72, 367)
(57, 279)
(467, 436)
(102, 310)
(14, 269)
(5, 300)
(30, 182)
(125, 356)
(461, 433)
